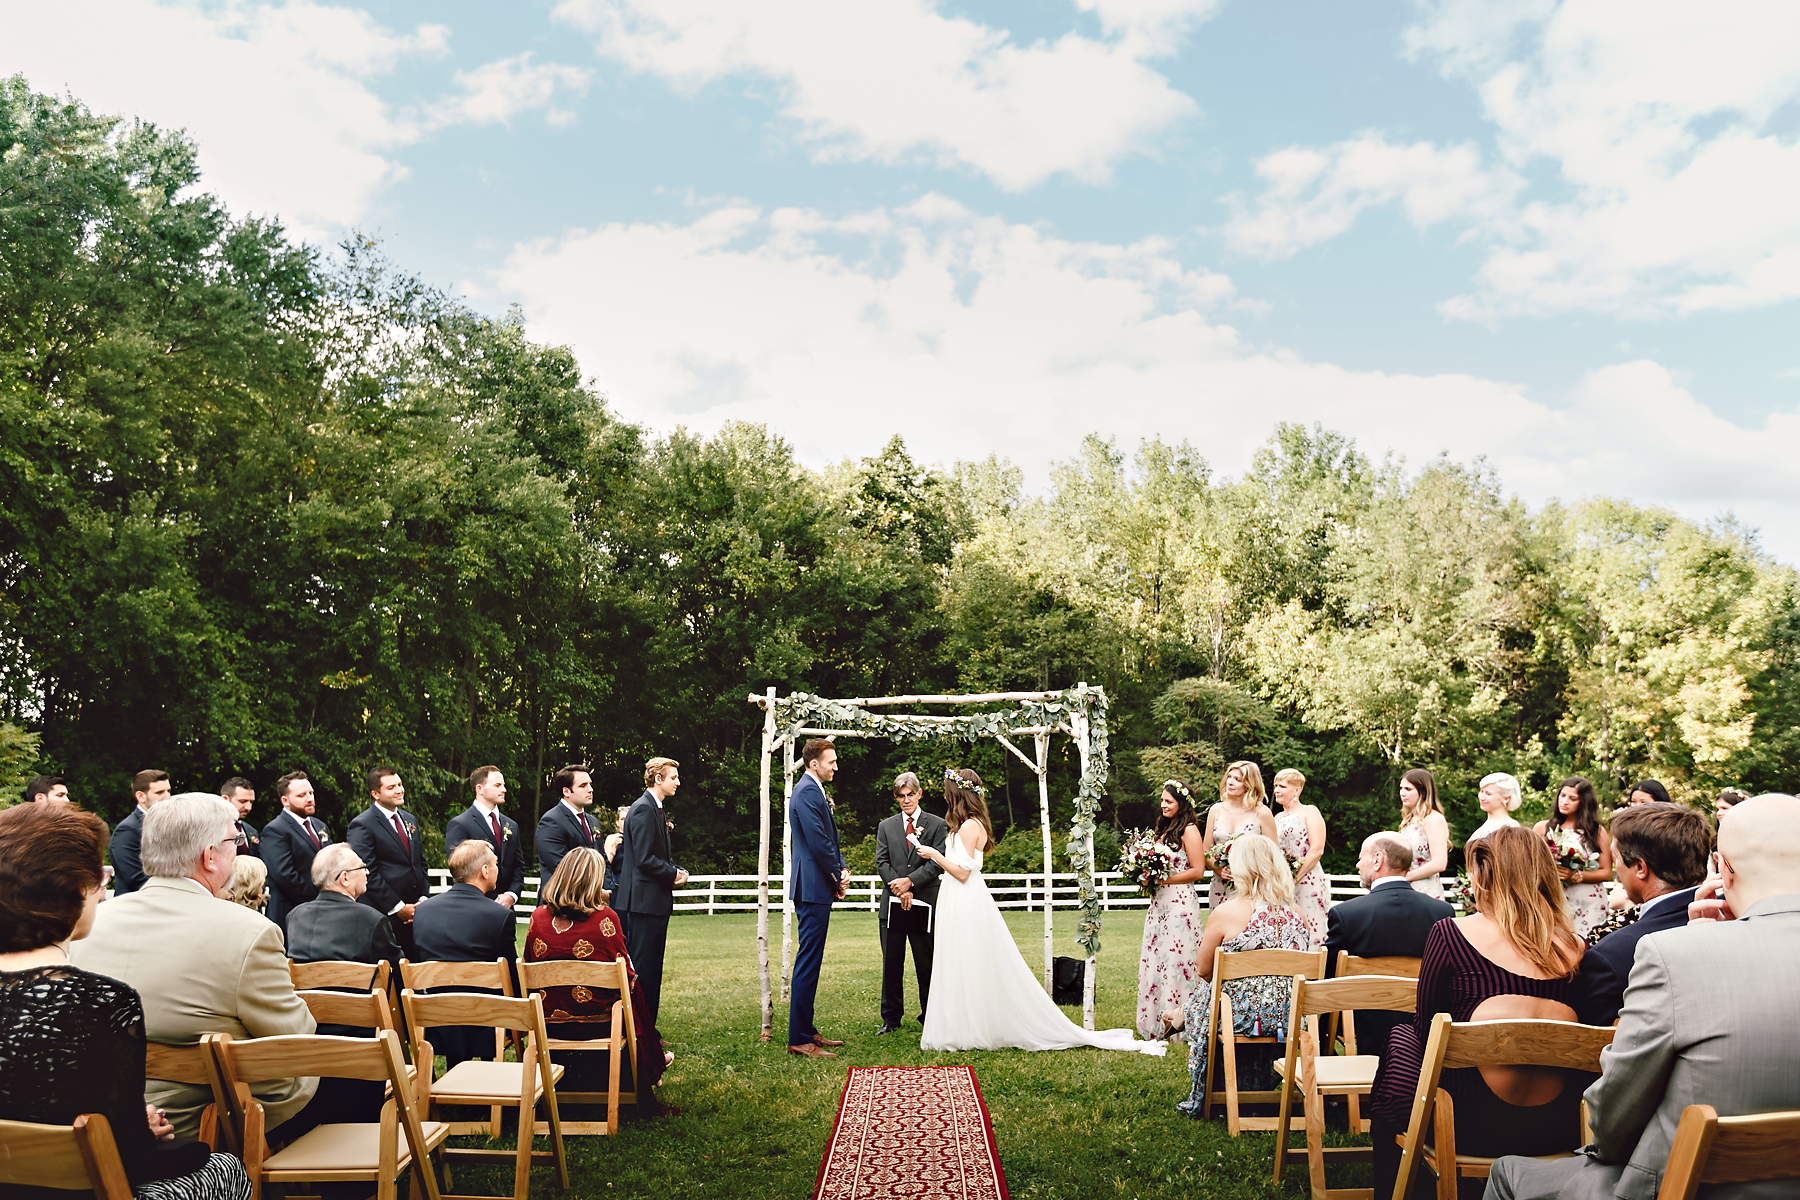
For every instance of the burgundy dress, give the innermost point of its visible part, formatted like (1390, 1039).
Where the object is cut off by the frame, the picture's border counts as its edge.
(578, 1013)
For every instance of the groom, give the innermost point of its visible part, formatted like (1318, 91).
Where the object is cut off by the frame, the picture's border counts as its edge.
(909, 899)
(819, 878)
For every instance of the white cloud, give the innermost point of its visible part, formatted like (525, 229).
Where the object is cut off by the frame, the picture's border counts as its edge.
(896, 81)
(280, 98)
(967, 334)
(1657, 120)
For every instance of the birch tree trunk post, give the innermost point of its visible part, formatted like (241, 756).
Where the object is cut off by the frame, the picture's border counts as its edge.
(762, 869)
(787, 858)
(1043, 780)
(1078, 726)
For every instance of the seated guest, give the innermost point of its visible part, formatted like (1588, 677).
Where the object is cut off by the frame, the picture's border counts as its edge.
(1260, 915)
(334, 927)
(1515, 958)
(463, 925)
(200, 965)
(248, 885)
(574, 921)
(1659, 856)
(1708, 1019)
(1392, 920)
(72, 1042)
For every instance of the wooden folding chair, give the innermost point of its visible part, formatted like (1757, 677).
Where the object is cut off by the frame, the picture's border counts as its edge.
(1709, 1148)
(1241, 965)
(1318, 1076)
(196, 1066)
(80, 1157)
(621, 1038)
(339, 973)
(496, 1084)
(364, 1010)
(1390, 964)
(1486, 1044)
(364, 1152)
(1349, 965)
(493, 976)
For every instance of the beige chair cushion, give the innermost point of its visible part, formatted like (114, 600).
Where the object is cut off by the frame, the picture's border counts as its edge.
(478, 1081)
(347, 1148)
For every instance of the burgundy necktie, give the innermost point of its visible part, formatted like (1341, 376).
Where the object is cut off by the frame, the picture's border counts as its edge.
(909, 825)
(307, 825)
(496, 820)
(586, 833)
(401, 830)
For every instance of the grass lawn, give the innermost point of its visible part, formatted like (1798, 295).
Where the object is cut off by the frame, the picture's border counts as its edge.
(755, 1119)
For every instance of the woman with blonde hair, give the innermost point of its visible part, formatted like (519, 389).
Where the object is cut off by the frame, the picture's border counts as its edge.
(248, 885)
(1260, 915)
(983, 996)
(1302, 839)
(1500, 797)
(1423, 826)
(1514, 958)
(1242, 808)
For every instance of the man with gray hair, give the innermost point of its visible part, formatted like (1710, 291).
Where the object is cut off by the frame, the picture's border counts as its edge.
(908, 899)
(1392, 920)
(200, 964)
(334, 927)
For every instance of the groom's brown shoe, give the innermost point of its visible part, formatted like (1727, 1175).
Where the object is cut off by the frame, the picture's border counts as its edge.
(820, 1039)
(811, 1051)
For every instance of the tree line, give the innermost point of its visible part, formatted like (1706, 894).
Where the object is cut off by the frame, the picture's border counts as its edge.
(267, 508)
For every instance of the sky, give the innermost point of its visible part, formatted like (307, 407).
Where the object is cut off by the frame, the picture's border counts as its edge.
(1563, 237)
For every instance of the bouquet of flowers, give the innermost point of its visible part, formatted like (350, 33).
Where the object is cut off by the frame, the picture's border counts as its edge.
(1219, 857)
(1459, 893)
(1567, 849)
(1146, 861)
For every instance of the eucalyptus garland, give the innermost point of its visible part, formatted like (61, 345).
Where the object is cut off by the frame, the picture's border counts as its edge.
(800, 710)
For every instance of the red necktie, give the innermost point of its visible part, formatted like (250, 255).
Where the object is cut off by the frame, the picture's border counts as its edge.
(909, 825)
(401, 830)
(586, 833)
(496, 820)
(307, 825)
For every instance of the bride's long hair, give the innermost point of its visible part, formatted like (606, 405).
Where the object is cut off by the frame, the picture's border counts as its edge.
(963, 802)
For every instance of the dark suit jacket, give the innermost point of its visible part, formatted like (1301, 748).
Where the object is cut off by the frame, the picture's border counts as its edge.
(646, 872)
(1606, 967)
(558, 832)
(128, 873)
(396, 869)
(817, 859)
(511, 850)
(1392, 920)
(894, 856)
(252, 839)
(463, 925)
(335, 928)
(288, 854)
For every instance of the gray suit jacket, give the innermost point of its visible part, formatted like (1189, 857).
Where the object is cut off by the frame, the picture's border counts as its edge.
(894, 856)
(1711, 1016)
(200, 965)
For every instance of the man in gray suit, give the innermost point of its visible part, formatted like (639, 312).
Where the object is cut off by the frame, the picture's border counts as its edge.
(1711, 1016)
(334, 927)
(909, 899)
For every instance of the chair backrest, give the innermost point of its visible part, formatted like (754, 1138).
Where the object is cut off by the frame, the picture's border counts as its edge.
(1521, 1044)
(70, 1158)
(423, 976)
(471, 1008)
(365, 1010)
(1390, 964)
(198, 1066)
(572, 972)
(1241, 964)
(338, 973)
(1709, 1148)
(1394, 993)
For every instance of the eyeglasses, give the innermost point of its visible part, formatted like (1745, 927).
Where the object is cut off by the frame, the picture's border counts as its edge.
(236, 840)
(354, 870)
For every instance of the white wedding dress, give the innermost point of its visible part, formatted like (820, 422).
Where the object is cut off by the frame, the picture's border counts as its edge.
(983, 996)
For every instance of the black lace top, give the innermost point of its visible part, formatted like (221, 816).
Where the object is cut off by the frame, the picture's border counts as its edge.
(72, 1042)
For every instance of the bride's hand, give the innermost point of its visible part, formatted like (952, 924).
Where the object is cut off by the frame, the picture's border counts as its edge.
(930, 854)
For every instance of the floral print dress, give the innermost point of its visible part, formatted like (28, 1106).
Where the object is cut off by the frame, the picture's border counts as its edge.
(1431, 885)
(1218, 890)
(1587, 901)
(1312, 891)
(1166, 970)
(1259, 1004)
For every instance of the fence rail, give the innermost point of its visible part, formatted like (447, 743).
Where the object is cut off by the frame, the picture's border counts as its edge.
(711, 894)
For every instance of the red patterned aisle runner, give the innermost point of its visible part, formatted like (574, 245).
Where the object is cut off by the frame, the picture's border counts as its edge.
(915, 1132)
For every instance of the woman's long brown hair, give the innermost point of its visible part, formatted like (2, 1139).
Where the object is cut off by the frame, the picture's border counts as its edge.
(1516, 888)
(965, 804)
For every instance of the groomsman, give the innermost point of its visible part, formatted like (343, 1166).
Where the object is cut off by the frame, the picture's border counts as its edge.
(909, 900)
(238, 791)
(386, 837)
(647, 879)
(567, 824)
(289, 843)
(485, 820)
(128, 874)
(820, 878)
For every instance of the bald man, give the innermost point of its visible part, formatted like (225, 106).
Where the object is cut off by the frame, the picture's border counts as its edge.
(1711, 1016)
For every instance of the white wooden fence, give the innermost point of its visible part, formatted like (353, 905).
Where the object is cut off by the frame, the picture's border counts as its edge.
(712, 894)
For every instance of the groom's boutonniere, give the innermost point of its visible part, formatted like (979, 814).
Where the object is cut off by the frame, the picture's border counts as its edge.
(505, 832)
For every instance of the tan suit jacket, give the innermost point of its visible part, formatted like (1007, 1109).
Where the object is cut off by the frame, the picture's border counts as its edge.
(200, 965)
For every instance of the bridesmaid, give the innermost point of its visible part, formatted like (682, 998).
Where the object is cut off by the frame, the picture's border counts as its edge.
(1423, 826)
(1578, 812)
(1242, 808)
(1172, 929)
(1500, 798)
(1302, 837)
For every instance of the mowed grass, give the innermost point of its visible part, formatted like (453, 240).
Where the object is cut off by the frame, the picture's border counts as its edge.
(755, 1119)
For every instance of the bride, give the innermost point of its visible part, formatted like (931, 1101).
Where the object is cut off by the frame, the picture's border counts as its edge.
(983, 996)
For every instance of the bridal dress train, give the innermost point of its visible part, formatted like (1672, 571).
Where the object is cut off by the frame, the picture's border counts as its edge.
(983, 996)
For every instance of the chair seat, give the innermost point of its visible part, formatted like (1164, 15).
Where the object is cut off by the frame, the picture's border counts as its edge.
(1340, 1071)
(480, 1082)
(347, 1148)
(1474, 1166)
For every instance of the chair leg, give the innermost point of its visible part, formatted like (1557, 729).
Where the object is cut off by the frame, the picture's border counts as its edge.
(1315, 1140)
(1234, 1123)
(1444, 1135)
(1210, 1100)
(614, 1056)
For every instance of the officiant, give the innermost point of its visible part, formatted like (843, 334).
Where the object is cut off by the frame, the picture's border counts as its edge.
(909, 901)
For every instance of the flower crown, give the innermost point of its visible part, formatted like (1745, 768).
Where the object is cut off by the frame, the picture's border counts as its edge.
(952, 777)
(1178, 787)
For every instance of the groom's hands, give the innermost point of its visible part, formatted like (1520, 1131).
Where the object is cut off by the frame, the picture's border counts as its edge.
(843, 884)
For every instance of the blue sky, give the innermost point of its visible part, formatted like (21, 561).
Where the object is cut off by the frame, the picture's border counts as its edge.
(1562, 236)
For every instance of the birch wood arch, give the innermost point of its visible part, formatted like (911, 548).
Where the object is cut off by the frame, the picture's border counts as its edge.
(1078, 712)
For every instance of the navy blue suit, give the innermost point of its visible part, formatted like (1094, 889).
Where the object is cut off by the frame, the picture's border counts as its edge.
(1606, 967)
(128, 873)
(818, 865)
(396, 866)
(646, 894)
(252, 840)
(509, 850)
(289, 853)
(558, 832)
(463, 925)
